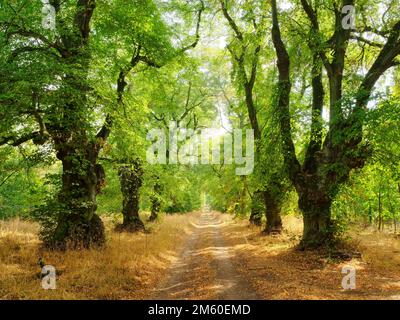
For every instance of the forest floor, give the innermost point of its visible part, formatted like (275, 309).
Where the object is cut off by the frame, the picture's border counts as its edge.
(202, 255)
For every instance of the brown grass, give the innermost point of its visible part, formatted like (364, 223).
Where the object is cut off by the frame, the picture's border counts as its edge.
(127, 268)
(131, 266)
(381, 249)
(278, 271)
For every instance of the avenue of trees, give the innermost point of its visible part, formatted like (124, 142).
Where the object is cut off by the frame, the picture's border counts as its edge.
(316, 80)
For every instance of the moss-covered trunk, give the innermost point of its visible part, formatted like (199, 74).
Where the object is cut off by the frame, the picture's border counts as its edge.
(82, 179)
(131, 180)
(257, 208)
(273, 223)
(316, 209)
(155, 201)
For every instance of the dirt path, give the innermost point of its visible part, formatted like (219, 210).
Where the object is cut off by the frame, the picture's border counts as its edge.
(207, 266)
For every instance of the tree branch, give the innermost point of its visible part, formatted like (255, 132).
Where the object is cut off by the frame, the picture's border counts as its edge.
(197, 34)
(136, 58)
(384, 61)
(232, 23)
(16, 141)
(312, 16)
(8, 177)
(283, 63)
(20, 31)
(369, 42)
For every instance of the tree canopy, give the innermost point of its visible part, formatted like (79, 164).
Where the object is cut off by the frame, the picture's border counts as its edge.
(316, 81)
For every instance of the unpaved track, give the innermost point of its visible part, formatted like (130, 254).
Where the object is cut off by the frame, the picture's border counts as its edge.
(206, 266)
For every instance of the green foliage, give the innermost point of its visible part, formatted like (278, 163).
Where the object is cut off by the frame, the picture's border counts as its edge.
(21, 180)
(182, 192)
(109, 201)
(373, 193)
(56, 89)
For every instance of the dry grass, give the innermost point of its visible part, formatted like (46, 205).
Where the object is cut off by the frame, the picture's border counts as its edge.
(131, 266)
(278, 271)
(127, 268)
(380, 249)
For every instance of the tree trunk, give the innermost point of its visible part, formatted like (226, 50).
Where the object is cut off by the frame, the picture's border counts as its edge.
(248, 79)
(380, 227)
(131, 181)
(155, 202)
(257, 208)
(241, 211)
(272, 213)
(393, 212)
(82, 179)
(315, 206)
(155, 208)
(77, 224)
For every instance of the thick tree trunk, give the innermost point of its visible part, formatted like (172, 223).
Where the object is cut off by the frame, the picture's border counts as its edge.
(82, 179)
(315, 206)
(131, 181)
(272, 213)
(77, 224)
